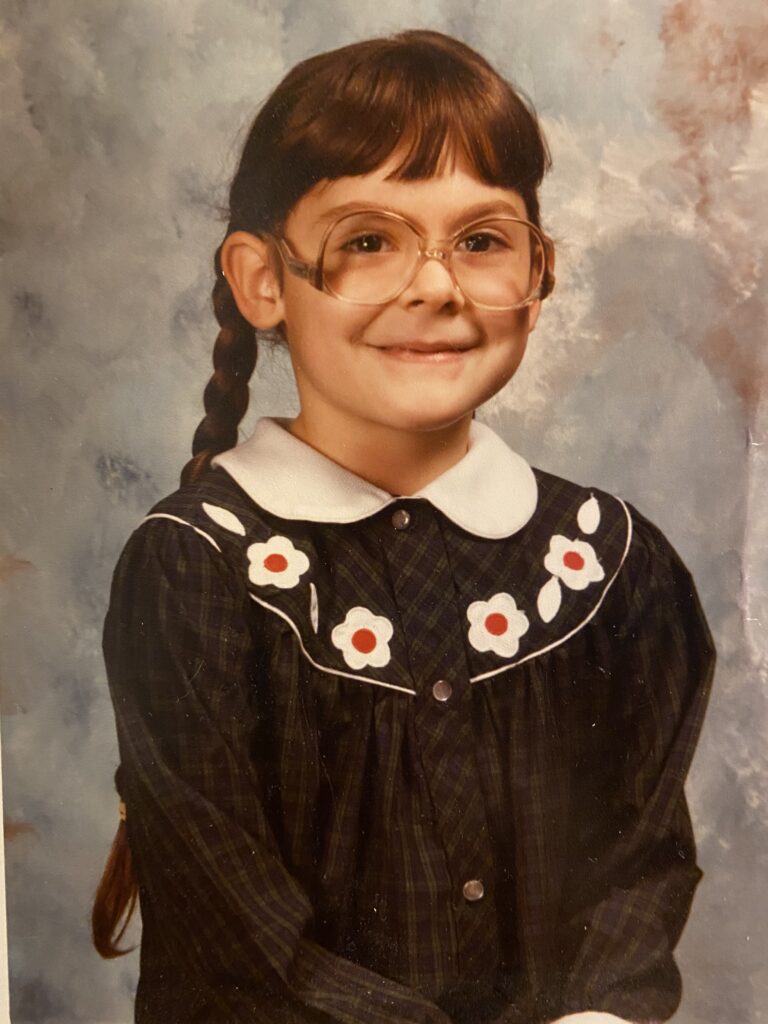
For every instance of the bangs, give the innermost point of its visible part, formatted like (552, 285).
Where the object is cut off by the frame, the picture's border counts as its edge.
(420, 94)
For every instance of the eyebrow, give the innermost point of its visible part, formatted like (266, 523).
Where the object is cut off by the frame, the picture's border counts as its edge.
(472, 213)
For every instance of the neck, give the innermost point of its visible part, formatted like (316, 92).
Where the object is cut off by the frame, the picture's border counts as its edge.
(398, 461)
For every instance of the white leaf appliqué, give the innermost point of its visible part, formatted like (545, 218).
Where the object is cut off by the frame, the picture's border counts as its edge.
(588, 516)
(223, 517)
(549, 599)
(314, 614)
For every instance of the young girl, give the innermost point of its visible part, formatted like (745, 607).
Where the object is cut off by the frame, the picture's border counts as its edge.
(403, 722)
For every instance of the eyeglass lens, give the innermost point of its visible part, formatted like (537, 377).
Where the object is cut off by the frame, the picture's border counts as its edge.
(369, 257)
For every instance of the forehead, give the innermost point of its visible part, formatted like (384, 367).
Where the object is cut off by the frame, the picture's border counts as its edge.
(440, 204)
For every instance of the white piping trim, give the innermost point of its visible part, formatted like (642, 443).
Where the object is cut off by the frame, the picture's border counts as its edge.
(175, 519)
(322, 668)
(404, 689)
(562, 640)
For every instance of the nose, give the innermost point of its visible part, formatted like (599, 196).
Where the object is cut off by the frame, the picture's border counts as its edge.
(433, 283)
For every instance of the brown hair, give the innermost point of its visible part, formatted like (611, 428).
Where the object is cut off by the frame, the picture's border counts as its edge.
(342, 113)
(117, 893)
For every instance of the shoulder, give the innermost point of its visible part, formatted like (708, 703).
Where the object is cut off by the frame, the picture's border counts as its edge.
(193, 535)
(593, 534)
(655, 588)
(213, 503)
(589, 511)
(213, 530)
(576, 510)
(580, 538)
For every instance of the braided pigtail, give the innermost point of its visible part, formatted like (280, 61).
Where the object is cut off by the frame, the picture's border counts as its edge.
(226, 401)
(117, 894)
(226, 394)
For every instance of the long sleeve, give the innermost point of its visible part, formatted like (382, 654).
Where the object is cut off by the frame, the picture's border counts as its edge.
(633, 868)
(183, 665)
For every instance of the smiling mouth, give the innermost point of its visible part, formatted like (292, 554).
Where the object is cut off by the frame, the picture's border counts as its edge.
(429, 348)
(429, 353)
(417, 345)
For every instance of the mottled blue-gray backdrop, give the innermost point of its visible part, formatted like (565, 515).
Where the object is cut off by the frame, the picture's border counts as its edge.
(118, 129)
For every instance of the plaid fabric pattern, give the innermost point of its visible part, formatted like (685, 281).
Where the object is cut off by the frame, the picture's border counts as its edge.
(303, 830)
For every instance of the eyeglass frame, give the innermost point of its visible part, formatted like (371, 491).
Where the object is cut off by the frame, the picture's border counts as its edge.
(440, 249)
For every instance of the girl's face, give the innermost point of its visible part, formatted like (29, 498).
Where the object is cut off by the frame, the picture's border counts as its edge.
(428, 358)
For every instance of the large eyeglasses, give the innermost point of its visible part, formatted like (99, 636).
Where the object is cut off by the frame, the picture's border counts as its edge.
(371, 256)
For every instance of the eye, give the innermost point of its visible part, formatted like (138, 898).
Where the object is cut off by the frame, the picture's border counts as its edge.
(482, 241)
(368, 242)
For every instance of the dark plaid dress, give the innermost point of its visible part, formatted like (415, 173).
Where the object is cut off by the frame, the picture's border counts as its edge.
(392, 771)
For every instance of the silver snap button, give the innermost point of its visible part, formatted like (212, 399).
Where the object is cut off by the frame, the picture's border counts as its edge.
(401, 519)
(442, 690)
(473, 890)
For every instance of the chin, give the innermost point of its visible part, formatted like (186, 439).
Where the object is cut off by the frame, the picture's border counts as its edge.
(427, 418)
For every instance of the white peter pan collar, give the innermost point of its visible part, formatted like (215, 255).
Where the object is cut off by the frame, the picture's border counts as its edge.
(490, 492)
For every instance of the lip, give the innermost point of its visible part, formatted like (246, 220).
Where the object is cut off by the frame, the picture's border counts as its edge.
(414, 351)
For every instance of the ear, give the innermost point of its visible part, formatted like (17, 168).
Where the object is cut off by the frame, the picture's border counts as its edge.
(248, 263)
(533, 314)
(549, 283)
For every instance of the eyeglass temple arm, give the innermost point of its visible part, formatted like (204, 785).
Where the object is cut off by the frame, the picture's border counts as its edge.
(299, 268)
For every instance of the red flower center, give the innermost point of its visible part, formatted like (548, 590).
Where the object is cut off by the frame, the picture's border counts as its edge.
(496, 623)
(276, 563)
(364, 640)
(573, 560)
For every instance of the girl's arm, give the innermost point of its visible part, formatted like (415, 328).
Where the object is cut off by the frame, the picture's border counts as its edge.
(232, 920)
(634, 868)
(644, 671)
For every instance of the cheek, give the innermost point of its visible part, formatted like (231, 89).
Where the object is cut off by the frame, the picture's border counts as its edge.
(314, 317)
(508, 362)
(508, 332)
(508, 339)
(318, 352)
(324, 343)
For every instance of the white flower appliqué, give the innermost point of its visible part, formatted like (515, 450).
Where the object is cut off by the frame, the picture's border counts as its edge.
(574, 562)
(496, 625)
(276, 562)
(363, 638)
